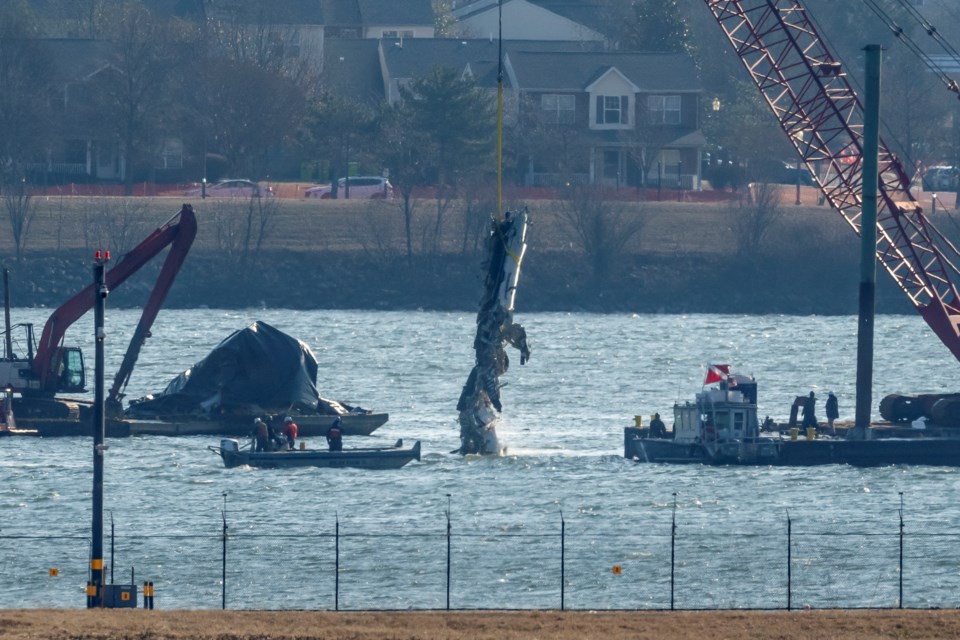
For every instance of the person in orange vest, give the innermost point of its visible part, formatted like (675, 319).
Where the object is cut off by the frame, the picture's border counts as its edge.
(335, 435)
(289, 431)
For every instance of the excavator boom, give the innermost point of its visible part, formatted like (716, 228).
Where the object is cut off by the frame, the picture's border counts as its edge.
(178, 232)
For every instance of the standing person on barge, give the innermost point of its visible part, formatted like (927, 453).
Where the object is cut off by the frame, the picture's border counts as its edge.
(809, 412)
(833, 412)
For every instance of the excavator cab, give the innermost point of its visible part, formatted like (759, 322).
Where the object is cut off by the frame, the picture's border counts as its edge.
(72, 377)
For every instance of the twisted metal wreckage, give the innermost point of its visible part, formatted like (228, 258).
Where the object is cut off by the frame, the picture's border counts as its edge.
(479, 403)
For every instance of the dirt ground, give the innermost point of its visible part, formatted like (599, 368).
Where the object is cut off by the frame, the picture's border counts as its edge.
(476, 625)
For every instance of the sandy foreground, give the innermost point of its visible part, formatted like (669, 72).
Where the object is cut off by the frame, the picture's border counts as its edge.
(441, 625)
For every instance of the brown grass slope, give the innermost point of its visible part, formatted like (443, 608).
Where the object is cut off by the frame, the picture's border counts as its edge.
(499, 625)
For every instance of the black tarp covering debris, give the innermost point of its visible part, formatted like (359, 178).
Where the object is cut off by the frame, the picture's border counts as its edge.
(254, 370)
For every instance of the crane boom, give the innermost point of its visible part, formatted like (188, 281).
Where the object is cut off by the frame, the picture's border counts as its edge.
(816, 106)
(179, 232)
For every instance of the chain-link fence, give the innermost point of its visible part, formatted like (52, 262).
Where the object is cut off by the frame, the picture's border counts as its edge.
(657, 566)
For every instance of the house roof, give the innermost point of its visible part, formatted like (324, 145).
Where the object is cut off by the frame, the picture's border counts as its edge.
(575, 71)
(417, 57)
(589, 13)
(395, 12)
(352, 68)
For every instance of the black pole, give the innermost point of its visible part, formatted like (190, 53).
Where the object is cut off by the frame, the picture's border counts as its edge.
(448, 552)
(789, 563)
(223, 562)
(563, 564)
(673, 549)
(901, 550)
(96, 546)
(336, 581)
(8, 342)
(659, 178)
(868, 241)
(112, 563)
(679, 182)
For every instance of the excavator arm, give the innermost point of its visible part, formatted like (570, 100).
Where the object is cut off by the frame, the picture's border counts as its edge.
(178, 232)
(816, 106)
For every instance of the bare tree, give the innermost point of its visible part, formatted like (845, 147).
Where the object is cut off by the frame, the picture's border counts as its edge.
(20, 211)
(602, 228)
(753, 217)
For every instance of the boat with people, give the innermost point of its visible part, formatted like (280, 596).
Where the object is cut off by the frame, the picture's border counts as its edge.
(721, 427)
(235, 455)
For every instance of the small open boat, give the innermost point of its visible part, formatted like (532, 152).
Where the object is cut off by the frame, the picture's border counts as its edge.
(361, 458)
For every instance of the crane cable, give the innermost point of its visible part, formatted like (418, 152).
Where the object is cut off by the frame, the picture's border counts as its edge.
(904, 36)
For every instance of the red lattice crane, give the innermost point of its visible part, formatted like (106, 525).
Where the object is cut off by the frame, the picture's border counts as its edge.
(804, 85)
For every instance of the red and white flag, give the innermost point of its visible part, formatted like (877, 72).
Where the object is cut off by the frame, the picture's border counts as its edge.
(716, 373)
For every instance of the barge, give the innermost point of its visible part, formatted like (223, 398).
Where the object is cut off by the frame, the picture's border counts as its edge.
(721, 427)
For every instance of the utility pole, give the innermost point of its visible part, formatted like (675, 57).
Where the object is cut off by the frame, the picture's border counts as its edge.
(95, 586)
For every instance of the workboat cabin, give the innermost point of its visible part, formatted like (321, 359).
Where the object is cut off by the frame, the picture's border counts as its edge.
(720, 426)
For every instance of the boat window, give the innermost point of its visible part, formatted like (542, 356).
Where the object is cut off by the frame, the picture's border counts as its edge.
(721, 420)
(738, 420)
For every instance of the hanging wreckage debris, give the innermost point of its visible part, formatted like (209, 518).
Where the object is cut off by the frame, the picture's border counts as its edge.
(479, 403)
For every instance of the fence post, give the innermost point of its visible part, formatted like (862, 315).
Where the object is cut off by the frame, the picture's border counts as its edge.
(673, 547)
(789, 561)
(448, 552)
(336, 581)
(901, 551)
(563, 564)
(223, 562)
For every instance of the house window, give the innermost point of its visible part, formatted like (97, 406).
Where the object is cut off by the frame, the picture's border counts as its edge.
(663, 109)
(558, 108)
(613, 110)
(394, 33)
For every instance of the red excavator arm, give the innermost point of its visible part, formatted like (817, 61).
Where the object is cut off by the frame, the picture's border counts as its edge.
(816, 106)
(178, 232)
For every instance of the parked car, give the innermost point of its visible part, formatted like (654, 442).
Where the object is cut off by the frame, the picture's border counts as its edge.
(940, 178)
(361, 187)
(232, 189)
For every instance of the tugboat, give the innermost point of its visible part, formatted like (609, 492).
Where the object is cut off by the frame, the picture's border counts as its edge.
(720, 427)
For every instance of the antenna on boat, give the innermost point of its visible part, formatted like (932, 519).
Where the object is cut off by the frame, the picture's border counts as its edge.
(499, 109)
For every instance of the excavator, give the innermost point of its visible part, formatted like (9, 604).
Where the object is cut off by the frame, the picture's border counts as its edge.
(805, 86)
(49, 368)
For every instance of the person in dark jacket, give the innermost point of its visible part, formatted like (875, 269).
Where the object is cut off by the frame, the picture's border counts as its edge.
(657, 428)
(810, 411)
(833, 412)
(335, 435)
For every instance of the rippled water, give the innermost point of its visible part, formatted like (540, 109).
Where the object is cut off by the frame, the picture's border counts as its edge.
(563, 421)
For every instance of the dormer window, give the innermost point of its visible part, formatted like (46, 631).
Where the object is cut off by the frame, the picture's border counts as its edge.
(613, 110)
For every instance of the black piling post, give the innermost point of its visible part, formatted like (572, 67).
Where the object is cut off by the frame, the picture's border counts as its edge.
(448, 552)
(901, 551)
(98, 428)
(673, 549)
(111, 548)
(336, 581)
(789, 562)
(563, 563)
(223, 562)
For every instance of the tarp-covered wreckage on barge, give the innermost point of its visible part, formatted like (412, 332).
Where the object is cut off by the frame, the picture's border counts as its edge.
(255, 371)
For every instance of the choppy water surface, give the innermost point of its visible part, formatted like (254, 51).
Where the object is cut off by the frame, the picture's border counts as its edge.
(563, 421)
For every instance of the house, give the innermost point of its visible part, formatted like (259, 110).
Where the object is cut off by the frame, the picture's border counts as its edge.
(377, 18)
(571, 20)
(78, 152)
(633, 117)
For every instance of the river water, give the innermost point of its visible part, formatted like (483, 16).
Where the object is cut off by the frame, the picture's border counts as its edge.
(542, 527)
